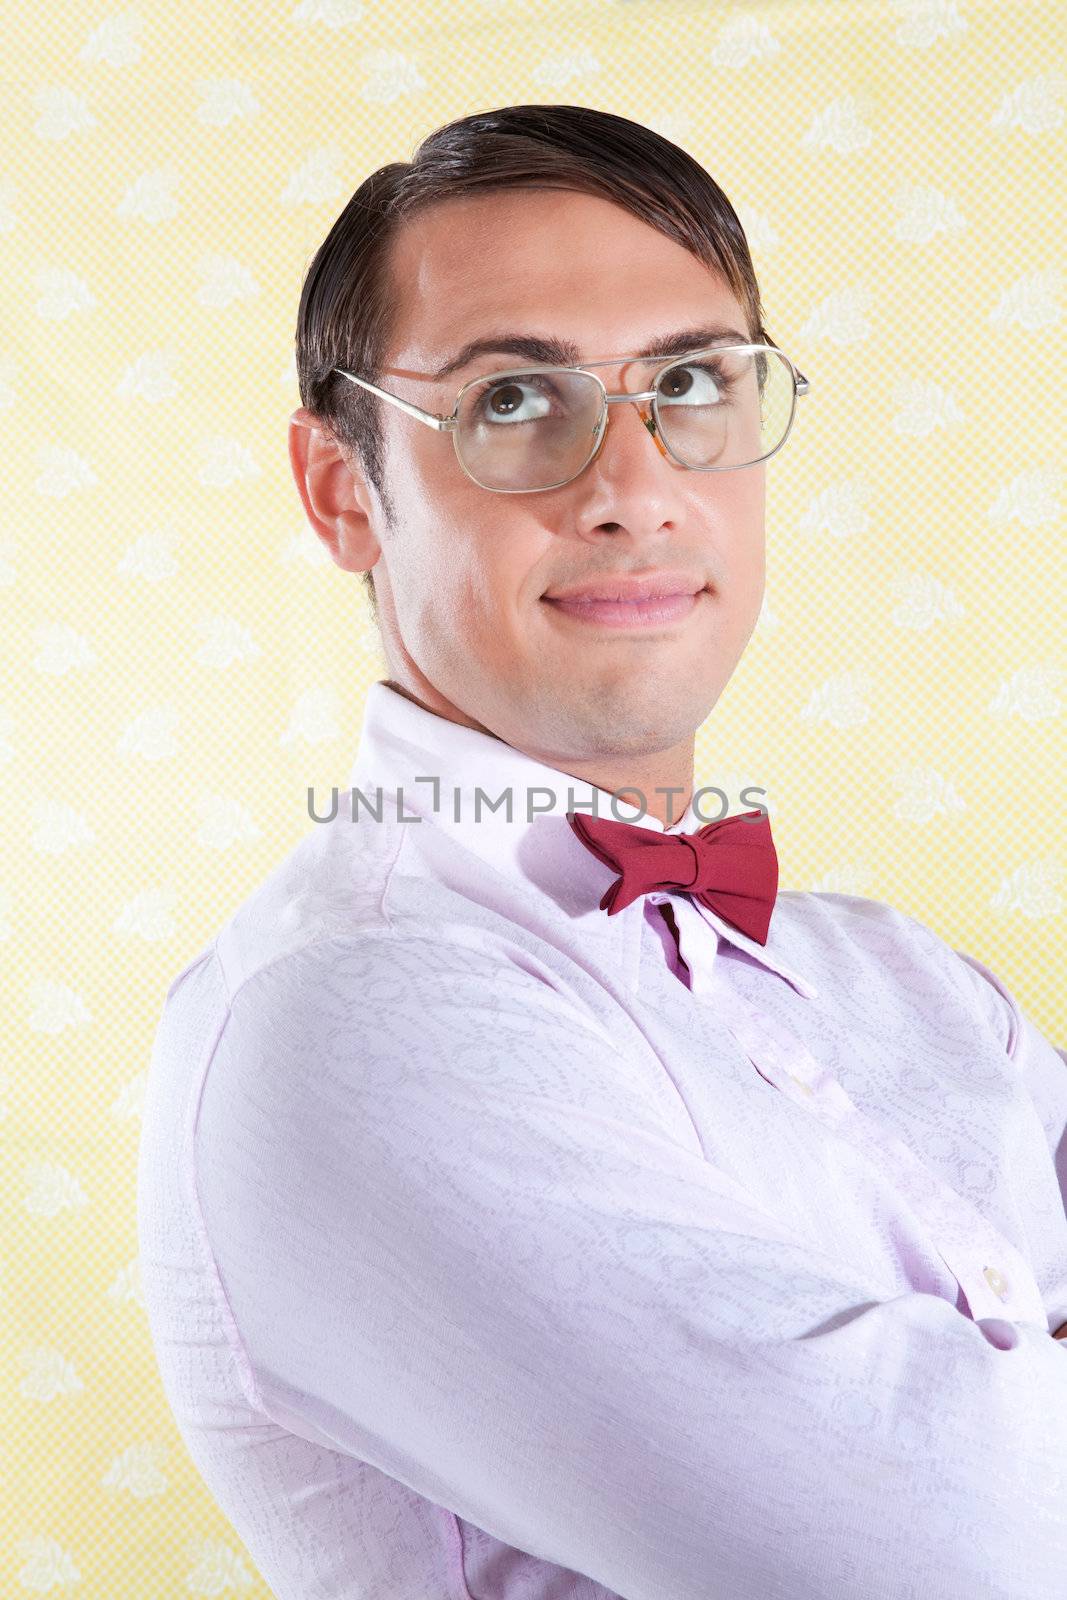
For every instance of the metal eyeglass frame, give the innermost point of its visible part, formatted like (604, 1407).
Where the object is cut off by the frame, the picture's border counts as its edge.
(647, 403)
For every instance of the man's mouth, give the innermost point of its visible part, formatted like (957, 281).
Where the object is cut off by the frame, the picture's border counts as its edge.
(631, 600)
(653, 612)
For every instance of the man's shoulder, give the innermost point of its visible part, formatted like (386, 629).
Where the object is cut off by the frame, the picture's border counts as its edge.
(831, 913)
(884, 953)
(330, 885)
(844, 934)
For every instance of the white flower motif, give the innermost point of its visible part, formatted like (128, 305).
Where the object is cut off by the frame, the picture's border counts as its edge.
(62, 112)
(840, 126)
(316, 178)
(150, 197)
(1031, 890)
(226, 461)
(925, 794)
(49, 1375)
(923, 601)
(555, 71)
(225, 100)
(62, 471)
(331, 13)
(841, 317)
(129, 1099)
(60, 649)
(126, 1286)
(149, 377)
(304, 548)
(1028, 694)
(56, 1006)
(840, 701)
(1030, 302)
(838, 510)
(61, 292)
(925, 213)
(150, 556)
(672, 125)
(390, 76)
(224, 822)
(1033, 105)
(148, 915)
(150, 735)
(217, 1569)
(759, 230)
(58, 827)
(225, 641)
(1029, 497)
(737, 792)
(52, 1189)
(225, 281)
(114, 41)
(851, 877)
(927, 21)
(924, 408)
(313, 717)
(741, 41)
(138, 1469)
(46, 1565)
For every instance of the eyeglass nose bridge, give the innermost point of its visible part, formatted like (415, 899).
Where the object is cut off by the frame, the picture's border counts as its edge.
(643, 402)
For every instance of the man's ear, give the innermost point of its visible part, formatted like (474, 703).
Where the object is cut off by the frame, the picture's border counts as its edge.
(336, 496)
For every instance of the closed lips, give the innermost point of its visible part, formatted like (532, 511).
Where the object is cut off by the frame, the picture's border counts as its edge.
(633, 590)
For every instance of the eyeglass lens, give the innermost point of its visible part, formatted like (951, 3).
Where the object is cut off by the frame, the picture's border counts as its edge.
(725, 408)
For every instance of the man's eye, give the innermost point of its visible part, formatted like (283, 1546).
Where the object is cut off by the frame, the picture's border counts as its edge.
(695, 384)
(507, 401)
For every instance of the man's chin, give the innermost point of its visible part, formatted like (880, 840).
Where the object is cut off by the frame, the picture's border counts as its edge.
(617, 724)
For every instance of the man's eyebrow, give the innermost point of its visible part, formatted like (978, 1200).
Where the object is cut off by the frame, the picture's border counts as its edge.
(563, 352)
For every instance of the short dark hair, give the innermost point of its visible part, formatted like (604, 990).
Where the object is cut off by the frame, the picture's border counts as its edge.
(347, 300)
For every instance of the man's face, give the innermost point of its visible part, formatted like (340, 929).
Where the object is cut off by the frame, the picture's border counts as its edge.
(463, 575)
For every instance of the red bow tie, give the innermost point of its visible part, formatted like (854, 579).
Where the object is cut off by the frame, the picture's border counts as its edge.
(730, 866)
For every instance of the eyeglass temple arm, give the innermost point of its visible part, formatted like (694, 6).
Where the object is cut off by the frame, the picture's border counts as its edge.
(446, 424)
(431, 419)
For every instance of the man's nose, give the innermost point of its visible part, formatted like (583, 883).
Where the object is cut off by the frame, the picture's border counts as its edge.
(620, 408)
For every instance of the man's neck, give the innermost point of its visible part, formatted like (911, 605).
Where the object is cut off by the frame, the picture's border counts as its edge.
(661, 782)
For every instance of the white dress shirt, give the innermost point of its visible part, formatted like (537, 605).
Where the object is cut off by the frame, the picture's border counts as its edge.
(496, 1249)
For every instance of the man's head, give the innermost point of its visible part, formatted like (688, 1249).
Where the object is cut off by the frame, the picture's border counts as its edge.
(566, 223)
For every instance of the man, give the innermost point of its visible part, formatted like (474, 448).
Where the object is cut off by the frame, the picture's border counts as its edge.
(533, 1203)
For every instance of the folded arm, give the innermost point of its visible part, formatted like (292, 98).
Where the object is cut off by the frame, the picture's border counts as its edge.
(574, 1332)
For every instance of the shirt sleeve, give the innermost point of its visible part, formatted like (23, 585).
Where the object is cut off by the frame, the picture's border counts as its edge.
(1042, 1065)
(444, 1258)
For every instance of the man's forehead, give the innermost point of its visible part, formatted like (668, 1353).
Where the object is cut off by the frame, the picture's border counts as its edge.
(468, 302)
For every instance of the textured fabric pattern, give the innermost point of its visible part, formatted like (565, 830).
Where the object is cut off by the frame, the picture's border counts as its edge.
(493, 1248)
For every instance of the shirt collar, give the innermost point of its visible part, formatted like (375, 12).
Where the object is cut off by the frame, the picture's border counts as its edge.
(439, 765)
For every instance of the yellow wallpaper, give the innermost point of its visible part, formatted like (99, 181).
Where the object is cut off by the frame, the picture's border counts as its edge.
(181, 660)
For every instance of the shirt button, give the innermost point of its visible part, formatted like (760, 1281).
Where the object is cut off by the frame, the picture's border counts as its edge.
(996, 1282)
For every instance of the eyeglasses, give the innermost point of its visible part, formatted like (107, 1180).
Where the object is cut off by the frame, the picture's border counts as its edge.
(538, 427)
